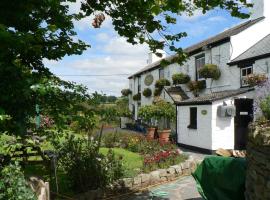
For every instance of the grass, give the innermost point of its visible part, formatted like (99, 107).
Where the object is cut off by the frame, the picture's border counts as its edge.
(133, 162)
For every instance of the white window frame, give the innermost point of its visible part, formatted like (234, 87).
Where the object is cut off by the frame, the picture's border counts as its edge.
(243, 77)
(163, 73)
(199, 57)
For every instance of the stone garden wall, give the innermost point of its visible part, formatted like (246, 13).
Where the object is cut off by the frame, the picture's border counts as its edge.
(258, 170)
(146, 180)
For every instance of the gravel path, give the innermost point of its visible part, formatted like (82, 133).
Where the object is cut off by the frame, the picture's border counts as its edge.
(181, 189)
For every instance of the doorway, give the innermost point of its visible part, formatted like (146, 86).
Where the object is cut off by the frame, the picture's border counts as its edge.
(244, 115)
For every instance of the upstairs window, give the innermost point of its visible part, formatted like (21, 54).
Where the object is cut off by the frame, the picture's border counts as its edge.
(193, 118)
(244, 75)
(139, 84)
(199, 63)
(161, 73)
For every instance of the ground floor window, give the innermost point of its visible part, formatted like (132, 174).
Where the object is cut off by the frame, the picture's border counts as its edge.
(193, 118)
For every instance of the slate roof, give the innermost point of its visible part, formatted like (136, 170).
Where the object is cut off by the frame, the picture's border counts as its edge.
(176, 93)
(215, 96)
(258, 50)
(212, 40)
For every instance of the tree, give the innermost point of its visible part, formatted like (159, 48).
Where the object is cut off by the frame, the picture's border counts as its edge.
(31, 31)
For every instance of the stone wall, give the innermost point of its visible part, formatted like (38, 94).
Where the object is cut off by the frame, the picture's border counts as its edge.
(258, 169)
(145, 180)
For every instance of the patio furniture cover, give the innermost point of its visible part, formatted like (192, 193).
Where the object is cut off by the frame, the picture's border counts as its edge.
(220, 178)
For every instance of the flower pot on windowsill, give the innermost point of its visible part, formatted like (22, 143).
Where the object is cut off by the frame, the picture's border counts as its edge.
(164, 135)
(150, 133)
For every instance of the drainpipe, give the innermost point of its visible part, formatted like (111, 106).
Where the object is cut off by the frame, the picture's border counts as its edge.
(176, 127)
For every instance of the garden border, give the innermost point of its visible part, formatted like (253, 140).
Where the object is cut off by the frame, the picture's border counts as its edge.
(143, 181)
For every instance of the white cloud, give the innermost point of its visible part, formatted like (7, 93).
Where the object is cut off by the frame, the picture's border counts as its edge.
(217, 19)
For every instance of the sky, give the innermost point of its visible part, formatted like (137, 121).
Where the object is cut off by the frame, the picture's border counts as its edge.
(111, 59)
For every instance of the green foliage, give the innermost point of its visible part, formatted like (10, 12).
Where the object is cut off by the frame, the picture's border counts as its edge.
(265, 107)
(122, 107)
(147, 113)
(164, 109)
(161, 83)
(137, 97)
(126, 92)
(147, 92)
(210, 71)
(157, 92)
(13, 185)
(256, 79)
(196, 86)
(180, 78)
(85, 167)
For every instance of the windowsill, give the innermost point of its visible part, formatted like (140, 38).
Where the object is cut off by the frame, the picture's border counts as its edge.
(192, 127)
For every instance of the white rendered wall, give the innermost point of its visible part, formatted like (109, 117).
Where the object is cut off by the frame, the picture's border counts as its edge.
(200, 137)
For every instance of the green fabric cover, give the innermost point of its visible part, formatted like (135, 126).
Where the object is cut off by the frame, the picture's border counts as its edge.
(220, 178)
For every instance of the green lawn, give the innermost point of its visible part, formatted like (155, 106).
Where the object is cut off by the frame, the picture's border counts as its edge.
(133, 162)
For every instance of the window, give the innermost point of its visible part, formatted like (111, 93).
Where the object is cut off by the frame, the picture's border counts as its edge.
(161, 73)
(193, 118)
(199, 63)
(244, 74)
(139, 84)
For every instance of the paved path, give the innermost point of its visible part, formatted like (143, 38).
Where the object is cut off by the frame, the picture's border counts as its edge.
(181, 189)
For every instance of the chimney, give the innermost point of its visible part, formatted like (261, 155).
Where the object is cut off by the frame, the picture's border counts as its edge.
(152, 57)
(261, 8)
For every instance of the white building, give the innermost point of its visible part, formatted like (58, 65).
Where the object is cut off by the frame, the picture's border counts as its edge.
(237, 52)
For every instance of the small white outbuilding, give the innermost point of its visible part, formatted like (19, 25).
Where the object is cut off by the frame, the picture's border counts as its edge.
(217, 120)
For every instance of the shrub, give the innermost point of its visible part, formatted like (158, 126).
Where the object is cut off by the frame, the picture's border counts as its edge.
(13, 185)
(147, 92)
(265, 107)
(180, 78)
(210, 71)
(137, 97)
(196, 86)
(85, 167)
(161, 83)
(126, 92)
(157, 92)
(146, 113)
(256, 79)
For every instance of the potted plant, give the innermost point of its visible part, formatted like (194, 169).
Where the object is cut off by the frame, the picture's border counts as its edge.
(165, 113)
(180, 78)
(126, 92)
(137, 97)
(147, 92)
(256, 79)
(161, 83)
(147, 114)
(196, 86)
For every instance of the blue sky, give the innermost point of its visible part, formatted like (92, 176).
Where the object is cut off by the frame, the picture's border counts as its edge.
(110, 54)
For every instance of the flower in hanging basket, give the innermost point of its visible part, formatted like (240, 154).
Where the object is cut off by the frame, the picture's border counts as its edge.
(196, 86)
(161, 83)
(126, 92)
(256, 79)
(147, 92)
(137, 97)
(180, 78)
(157, 92)
(210, 71)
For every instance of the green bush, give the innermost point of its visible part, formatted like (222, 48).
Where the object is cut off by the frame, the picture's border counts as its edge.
(85, 167)
(210, 71)
(13, 185)
(126, 92)
(161, 83)
(180, 78)
(147, 92)
(265, 107)
(137, 97)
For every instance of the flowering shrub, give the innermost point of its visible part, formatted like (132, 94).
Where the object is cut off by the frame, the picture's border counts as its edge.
(256, 79)
(162, 159)
(46, 122)
(180, 78)
(261, 100)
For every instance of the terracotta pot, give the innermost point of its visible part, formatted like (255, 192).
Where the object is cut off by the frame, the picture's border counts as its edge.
(150, 133)
(164, 135)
